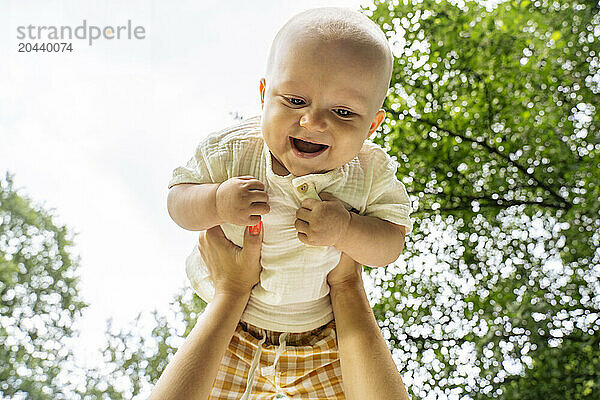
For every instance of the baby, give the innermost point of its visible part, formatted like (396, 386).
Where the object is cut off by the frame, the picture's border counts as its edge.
(306, 173)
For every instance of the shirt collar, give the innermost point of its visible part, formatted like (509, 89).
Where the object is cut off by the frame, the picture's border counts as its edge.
(320, 181)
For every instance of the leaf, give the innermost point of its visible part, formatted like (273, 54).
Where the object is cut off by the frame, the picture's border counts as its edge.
(555, 36)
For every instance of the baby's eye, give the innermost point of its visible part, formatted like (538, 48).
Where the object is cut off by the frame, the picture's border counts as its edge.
(343, 112)
(295, 101)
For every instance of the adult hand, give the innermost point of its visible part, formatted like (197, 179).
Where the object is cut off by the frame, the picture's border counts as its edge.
(233, 269)
(191, 372)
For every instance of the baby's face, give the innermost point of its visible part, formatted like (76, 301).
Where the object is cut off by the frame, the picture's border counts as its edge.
(320, 102)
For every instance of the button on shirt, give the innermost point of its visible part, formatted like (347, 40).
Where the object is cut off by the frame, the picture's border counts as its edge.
(292, 295)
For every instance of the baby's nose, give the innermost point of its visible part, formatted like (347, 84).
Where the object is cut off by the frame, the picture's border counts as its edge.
(313, 121)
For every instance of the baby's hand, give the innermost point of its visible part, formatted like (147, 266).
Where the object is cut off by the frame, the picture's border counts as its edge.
(242, 200)
(322, 223)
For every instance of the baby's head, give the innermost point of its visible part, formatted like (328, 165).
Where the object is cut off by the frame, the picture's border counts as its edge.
(328, 73)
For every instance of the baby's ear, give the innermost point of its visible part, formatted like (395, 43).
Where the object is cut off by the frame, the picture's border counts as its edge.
(263, 85)
(377, 120)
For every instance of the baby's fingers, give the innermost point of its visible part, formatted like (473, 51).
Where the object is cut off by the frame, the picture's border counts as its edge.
(258, 196)
(253, 184)
(259, 209)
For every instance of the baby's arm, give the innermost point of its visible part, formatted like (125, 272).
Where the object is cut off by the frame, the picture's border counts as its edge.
(368, 240)
(240, 200)
(193, 206)
(372, 241)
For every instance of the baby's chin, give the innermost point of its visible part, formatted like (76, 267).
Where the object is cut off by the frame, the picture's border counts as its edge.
(297, 170)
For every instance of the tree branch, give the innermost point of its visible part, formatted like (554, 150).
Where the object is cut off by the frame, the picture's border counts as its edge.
(493, 150)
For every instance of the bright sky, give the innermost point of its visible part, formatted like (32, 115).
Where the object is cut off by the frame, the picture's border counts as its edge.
(96, 133)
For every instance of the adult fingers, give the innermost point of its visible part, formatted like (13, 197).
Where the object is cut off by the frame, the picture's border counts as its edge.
(253, 237)
(216, 237)
(214, 233)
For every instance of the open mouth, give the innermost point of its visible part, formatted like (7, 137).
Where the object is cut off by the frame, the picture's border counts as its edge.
(307, 149)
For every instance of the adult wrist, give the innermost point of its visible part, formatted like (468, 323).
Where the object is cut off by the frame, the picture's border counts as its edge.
(350, 295)
(350, 283)
(232, 298)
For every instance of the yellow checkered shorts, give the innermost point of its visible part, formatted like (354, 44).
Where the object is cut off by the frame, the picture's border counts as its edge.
(261, 364)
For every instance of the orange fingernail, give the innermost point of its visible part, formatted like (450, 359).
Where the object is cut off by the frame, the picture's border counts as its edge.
(255, 230)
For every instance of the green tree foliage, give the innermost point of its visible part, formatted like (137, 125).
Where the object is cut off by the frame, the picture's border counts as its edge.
(566, 372)
(39, 298)
(493, 118)
(135, 358)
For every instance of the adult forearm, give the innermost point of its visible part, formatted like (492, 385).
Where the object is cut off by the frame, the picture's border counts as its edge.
(372, 241)
(193, 206)
(192, 371)
(368, 369)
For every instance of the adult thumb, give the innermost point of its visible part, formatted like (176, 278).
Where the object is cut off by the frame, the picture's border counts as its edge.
(253, 237)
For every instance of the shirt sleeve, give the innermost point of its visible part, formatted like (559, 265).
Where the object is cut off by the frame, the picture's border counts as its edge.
(388, 199)
(207, 165)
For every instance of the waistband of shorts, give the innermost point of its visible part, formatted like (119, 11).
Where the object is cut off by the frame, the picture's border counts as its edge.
(293, 339)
